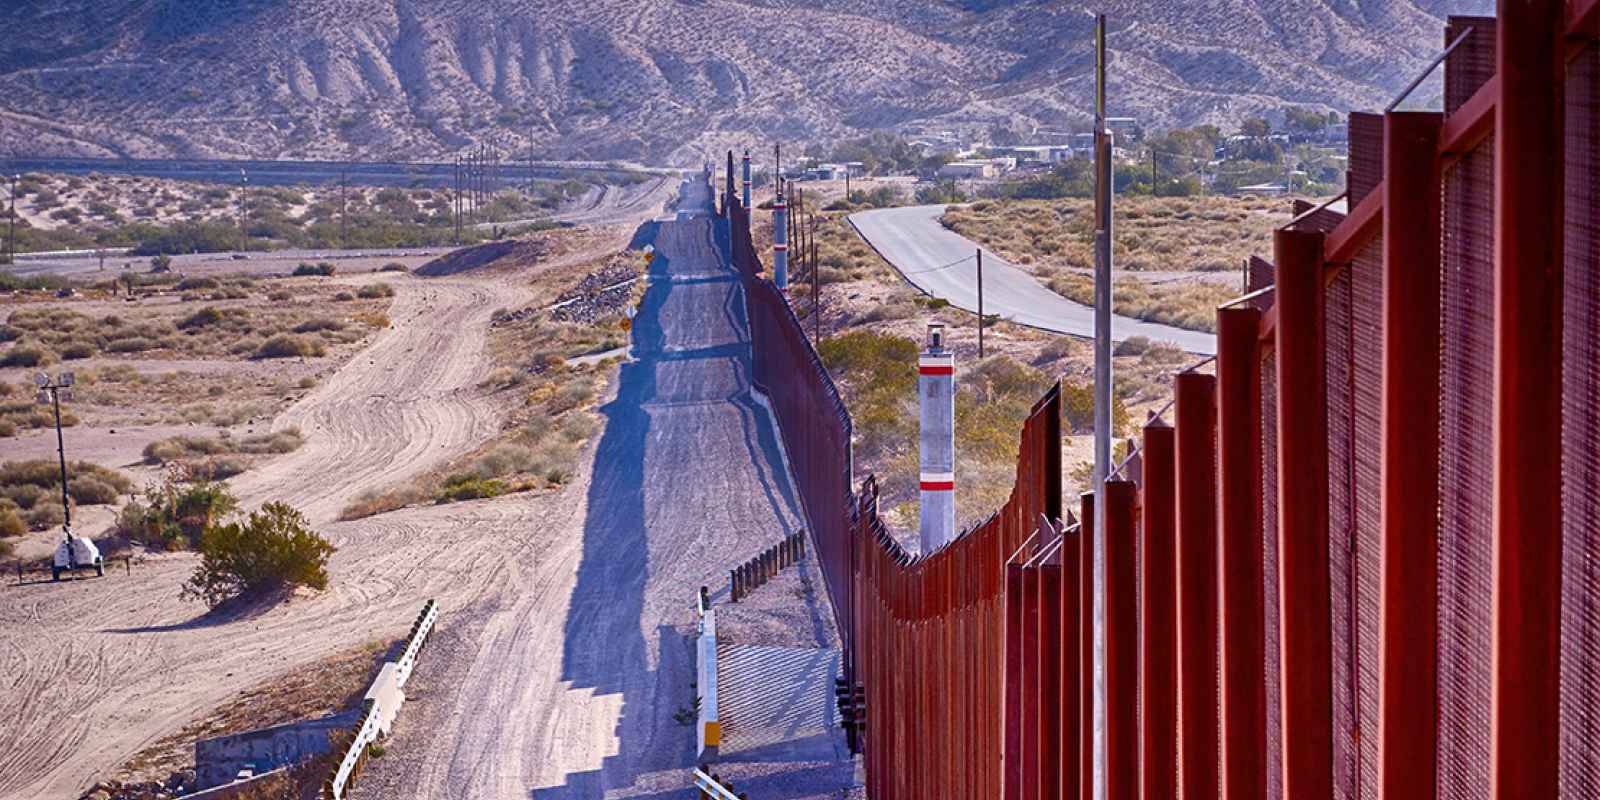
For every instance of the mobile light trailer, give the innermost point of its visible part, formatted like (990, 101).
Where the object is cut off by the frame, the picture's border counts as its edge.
(75, 552)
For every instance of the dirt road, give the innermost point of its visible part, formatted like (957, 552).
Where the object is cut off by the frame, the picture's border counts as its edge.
(569, 689)
(91, 671)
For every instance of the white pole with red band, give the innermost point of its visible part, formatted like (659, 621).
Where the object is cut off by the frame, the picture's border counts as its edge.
(936, 393)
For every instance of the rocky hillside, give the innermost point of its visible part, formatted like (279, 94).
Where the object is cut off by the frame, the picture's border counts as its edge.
(660, 80)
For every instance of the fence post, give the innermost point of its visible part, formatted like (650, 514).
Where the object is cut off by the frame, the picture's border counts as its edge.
(1121, 642)
(1408, 683)
(1243, 631)
(1303, 579)
(1196, 412)
(1086, 644)
(1158, 634)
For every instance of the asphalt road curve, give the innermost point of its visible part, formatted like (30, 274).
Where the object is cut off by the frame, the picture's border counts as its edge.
(930, 256)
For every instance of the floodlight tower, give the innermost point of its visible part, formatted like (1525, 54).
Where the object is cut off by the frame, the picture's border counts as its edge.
(51, 392)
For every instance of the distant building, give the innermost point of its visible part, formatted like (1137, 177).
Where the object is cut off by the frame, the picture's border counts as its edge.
(1039, 154)
(956, 170)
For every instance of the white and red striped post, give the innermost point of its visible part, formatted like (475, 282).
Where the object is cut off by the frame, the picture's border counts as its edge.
(780, 244)
(936, 391)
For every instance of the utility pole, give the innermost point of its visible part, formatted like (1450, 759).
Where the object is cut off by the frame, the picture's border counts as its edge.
(11, 238)
(816, 289)
(344, 207)
(244, 196)
(455, 198)
(1152, 170)
(980, 304)
(1102, 386)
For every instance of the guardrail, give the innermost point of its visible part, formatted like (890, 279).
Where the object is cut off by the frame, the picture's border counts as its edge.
(708, 728)
(712, 788)
(755, 573)
(383, 702)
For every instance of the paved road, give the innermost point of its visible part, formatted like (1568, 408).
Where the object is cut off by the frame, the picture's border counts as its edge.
(912, 240)
(568, 689)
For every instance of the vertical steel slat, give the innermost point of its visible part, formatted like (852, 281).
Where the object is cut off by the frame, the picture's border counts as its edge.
(1304, 600)
(1158, 632)
(1086, 640)
(1530, 140)
(1408, 693)
(1195, 407)
(1121, 641)
(1242, 631)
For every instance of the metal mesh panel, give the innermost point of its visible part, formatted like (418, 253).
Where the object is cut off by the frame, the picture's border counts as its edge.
(1366, 155)
(1466, 449)
(1269, 573)
(1366, 275)
(1580, 469)
(1340, 527)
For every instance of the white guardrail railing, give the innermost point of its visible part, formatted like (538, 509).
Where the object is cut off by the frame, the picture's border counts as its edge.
(383, 702)
(709, 728)
(709, 787)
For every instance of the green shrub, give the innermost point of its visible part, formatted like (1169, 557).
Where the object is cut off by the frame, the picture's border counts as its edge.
(273, 550)
(469, 487)
(290, 346)
(45, 515)
(1132, 346)
(394, 266)
(177, 513)
(373, 291)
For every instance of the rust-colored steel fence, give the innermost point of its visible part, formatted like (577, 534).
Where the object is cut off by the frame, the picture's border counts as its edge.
(1361, 560)
(812, 420)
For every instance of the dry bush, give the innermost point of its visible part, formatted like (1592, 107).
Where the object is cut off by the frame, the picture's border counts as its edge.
(374, 291)
(320, 324)
(290, 346)
(27, 355)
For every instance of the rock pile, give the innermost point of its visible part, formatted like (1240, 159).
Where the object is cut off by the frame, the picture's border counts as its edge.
(176, 785)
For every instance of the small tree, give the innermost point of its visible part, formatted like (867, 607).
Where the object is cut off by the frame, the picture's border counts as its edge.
(161, 263)
(273, 550)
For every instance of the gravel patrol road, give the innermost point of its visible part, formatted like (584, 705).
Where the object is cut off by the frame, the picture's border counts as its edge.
(939, 261)
(567, 685)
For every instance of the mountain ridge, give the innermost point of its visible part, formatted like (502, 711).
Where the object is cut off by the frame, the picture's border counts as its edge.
(661, 80)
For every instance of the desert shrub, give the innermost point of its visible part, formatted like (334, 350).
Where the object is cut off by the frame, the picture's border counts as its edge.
(394, 266)
(12, 523)
(280, 295)
(45, 515)
(287, 440)
(290, 346)
(27, 355)
(373, 291)
(343, 297)
(273, 550)
(73, 351)
(178, 513)
(161, 263)
(132, 344)
(321, 268)
(191, 284)
(88, 491)
(1132, 346)
(1077, 408)
(35, 478)
(7, 428)
(205, 317)
(321, 324)
(469, 487)
(219, 468)
(372, 501)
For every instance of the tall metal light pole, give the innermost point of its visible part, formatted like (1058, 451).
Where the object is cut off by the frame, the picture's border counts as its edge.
(1102, 385)
(980, 304)
(50, 393)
